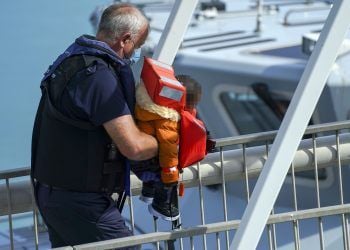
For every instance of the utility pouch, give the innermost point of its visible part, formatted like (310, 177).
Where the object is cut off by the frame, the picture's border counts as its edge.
(113, 172)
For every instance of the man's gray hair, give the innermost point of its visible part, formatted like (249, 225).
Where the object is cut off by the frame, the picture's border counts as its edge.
(119, 19)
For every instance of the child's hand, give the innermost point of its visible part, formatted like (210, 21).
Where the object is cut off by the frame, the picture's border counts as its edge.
(170, 176)
(148, 176)
(210, 144)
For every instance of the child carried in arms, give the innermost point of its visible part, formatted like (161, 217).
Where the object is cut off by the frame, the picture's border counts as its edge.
(160, 176)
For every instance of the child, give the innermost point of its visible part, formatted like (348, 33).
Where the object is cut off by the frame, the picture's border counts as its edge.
(163, 123)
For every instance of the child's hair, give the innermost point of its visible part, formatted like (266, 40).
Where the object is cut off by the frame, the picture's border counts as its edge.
(193, 90)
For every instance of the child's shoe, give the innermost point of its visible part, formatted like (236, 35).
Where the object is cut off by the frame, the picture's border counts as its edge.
(164, 204)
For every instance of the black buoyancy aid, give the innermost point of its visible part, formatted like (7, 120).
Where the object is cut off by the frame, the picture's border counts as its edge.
(71, 154)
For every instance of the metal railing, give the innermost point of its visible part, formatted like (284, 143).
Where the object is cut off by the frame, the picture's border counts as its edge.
(304, 11)
(326, 150)
(213, 228)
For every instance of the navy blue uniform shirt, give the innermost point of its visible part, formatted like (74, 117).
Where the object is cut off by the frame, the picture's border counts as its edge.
(98, 98)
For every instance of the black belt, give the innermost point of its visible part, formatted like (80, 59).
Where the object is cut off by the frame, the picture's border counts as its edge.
(36, 182)
(52, 187)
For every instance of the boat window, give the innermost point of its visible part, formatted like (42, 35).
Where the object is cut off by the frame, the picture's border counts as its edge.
(257, 110)
(249, 113)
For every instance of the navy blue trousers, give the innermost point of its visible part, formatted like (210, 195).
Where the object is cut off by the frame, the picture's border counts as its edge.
(75, 218)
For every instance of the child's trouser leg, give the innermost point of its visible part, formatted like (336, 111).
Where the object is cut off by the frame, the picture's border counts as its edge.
(147, 192)
(148, 172)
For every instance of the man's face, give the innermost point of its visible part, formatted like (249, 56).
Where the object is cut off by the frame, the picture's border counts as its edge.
(131, 44)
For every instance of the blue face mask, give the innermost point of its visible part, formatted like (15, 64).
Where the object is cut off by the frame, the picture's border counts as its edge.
(135, 57)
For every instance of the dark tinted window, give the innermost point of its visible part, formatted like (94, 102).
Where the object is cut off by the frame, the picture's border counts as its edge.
(249, 113)
(252, 114)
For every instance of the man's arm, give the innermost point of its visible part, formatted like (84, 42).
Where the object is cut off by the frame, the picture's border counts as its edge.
(131, 142)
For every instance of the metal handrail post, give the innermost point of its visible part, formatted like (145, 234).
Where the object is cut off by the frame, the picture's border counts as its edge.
(224, 198)
(9, 211)
(201, 200)
(260, 10)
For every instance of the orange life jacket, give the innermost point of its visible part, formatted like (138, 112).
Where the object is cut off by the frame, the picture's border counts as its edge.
(193, 138)
(161, 84)
(165, 90)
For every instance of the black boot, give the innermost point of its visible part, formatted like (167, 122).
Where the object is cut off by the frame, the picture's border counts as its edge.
(164, 204)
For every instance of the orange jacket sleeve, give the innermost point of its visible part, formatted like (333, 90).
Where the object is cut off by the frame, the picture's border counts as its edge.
(167, 133)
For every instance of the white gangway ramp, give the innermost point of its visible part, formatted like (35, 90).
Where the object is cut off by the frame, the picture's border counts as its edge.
(292, 128)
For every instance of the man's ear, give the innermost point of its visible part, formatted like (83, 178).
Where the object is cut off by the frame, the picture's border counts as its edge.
(124, 39)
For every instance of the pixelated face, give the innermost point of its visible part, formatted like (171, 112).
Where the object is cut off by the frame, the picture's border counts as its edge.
(193, 90)
(192, 98)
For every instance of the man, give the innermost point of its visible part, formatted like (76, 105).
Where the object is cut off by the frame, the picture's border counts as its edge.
(84, 131)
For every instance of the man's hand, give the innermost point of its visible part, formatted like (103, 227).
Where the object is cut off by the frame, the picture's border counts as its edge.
(210, 144)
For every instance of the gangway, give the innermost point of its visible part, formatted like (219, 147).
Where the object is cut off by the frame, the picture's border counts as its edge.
(237, 162)
(217, 169)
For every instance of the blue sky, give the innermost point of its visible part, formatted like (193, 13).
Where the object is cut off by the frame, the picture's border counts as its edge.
(33, 34)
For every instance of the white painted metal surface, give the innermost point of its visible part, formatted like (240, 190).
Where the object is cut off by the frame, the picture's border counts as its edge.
(174, 30)
(293, 125)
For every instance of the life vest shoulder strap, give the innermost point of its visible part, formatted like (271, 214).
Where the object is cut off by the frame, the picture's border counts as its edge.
(54, 85)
